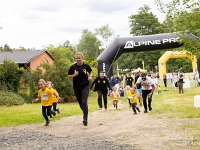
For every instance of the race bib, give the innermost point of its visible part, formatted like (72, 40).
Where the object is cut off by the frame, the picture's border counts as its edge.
(44, 97)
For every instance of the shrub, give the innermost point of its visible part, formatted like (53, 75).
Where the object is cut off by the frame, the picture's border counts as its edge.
(9, 98)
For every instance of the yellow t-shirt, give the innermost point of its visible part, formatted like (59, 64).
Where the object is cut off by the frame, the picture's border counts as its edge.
(54, 98)
(128, 92)
(133, 97)
(45, 96)
(115, 96)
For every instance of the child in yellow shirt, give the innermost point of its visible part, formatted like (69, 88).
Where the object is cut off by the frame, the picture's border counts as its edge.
(133, 100)
(159, 89)
(115, 96)
(54, 98)
(45, 96)
(128, 93)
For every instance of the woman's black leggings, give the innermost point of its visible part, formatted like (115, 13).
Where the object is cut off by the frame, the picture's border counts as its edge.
(46, 111)
(82, 97)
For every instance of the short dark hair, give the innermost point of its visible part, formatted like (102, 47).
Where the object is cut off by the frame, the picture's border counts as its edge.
(143, 74)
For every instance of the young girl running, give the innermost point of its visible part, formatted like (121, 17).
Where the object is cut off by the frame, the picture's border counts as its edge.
(127, 93)
(55, 100)
(45, 96)
(133, 99)
(115, 96)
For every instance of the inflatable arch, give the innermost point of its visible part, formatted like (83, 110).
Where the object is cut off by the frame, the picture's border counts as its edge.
(173, 54)
(134, 44)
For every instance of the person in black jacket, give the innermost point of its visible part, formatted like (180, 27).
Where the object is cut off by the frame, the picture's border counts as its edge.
(102, 87)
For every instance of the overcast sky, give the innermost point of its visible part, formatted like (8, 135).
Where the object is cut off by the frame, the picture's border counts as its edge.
(38, 23)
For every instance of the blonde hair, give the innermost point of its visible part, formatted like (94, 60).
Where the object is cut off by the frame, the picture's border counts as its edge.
(79, 53)
(49, 82)
(43, 81)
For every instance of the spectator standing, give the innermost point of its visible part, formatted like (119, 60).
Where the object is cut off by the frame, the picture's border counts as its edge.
(196, 77)
(129, 80)
(165, 79)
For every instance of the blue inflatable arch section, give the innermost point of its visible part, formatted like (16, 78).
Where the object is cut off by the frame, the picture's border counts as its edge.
(135, 44)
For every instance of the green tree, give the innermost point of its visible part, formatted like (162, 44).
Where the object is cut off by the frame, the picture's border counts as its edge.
(58, 73)
(143, 23)
(182, 17)
(10, 75)
(89, 45)
(105, 32)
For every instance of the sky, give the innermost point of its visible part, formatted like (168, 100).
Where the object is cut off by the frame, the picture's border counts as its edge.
(39, 23)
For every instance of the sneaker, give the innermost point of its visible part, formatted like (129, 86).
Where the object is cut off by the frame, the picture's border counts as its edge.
(58, 110)
(99, 108)
(85, 122)
(53, 112)
(145, 111)
(47, 123)
(135, 113)
(150, 108)
(138, 110)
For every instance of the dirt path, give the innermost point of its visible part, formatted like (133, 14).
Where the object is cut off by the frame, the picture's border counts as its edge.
(141, 131)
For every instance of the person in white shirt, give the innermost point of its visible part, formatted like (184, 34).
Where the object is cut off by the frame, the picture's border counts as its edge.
(196, 77)
(174, 81)
(155, 81)
(147, 90)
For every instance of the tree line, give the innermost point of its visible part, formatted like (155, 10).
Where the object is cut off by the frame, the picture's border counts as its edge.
(184, 19)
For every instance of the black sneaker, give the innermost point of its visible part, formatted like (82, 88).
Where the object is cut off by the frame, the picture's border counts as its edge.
(145, 111)
(150, 108)
(138, 110)
(85, 122)
(58, 110)
(47, 123)
(53, 112)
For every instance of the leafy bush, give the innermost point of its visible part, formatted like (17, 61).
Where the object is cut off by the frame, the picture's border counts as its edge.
(9, 98)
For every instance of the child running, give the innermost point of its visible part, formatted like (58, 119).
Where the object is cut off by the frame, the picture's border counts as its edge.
(127, 93)
(45, 96)
(55, 100)
(133, 100)
(115, 96)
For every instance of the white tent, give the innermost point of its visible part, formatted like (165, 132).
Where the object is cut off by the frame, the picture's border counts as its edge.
(138, 70)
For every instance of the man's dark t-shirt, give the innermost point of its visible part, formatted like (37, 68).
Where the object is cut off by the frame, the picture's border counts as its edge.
(129, 81)
(139, 85)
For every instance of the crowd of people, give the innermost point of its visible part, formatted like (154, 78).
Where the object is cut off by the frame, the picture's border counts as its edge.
(138, 89)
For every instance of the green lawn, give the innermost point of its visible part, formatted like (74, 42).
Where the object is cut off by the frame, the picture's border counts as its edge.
(32, 113)
(172, 104)
(168, 104)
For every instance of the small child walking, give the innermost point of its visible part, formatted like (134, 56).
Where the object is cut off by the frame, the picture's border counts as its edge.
(115, 96)
(128, 93)
(55, 100)
(45, 96)
(159, 89)
(133, 100)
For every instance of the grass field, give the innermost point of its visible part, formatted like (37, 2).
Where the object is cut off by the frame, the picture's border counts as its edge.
(168, 104)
